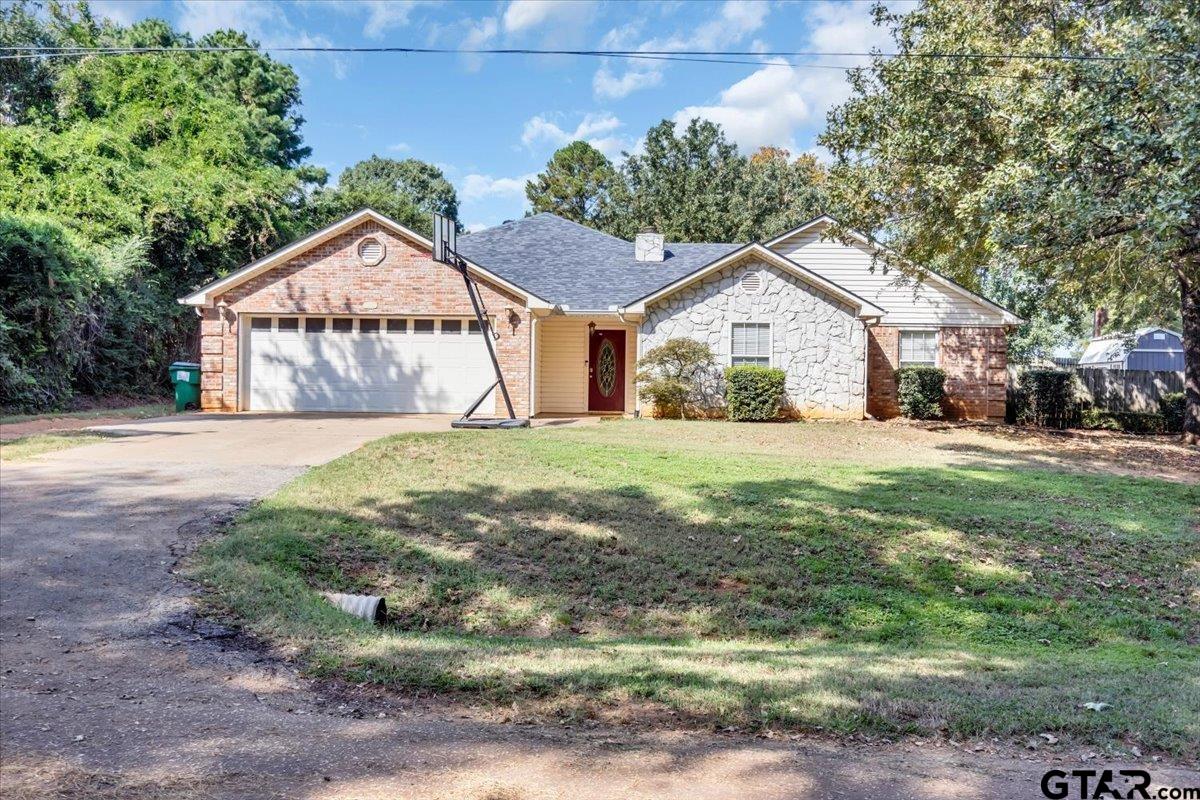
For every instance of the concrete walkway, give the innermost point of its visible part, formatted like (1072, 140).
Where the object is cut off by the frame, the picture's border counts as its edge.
(110, 687)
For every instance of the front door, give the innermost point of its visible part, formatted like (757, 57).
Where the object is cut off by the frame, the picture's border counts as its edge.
(606, 371)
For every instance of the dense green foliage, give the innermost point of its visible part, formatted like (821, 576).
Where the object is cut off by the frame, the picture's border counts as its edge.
(920, 391)
(753, 394)
(673, 376)
(1046, 398)
(579, 184)
(135, 179)
(1127, 421)
(690, 185)
(1078, 177)
(1171, 406)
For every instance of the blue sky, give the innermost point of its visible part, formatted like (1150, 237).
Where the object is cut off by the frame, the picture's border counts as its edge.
(492, 122)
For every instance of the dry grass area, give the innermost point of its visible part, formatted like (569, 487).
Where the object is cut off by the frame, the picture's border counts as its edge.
(48, 778)
(897, 578)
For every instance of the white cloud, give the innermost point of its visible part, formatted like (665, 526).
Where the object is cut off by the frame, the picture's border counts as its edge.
(200, 17)
(540, 129)
(764, 108)
(768, 106)
(121, 12)
(479, 34)
(399, 147)
(383, 15)
(266, 23)
(737, 20)
(480, 187)
(476, 227)
(522, 15)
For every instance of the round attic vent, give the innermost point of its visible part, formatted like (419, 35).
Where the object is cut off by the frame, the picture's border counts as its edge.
(371, 251)
(752, 283)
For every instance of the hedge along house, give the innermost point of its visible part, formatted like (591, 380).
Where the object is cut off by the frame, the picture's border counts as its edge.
(358, 317)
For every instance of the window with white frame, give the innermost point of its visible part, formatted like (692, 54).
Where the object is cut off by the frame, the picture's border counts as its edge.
(750, 344)
(918, 348)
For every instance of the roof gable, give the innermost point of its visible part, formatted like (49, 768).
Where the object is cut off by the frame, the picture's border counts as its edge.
(864, 308)
(205, 295)
(930, 276)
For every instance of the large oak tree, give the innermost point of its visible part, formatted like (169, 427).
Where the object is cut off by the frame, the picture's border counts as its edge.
(1080, 171)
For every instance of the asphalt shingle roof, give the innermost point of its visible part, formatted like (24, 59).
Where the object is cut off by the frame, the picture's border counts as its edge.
(569, 264)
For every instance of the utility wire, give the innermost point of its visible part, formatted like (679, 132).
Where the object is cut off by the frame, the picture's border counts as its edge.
(25, 51)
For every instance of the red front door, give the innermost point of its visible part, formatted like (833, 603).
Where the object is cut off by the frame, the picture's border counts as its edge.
(606, 371)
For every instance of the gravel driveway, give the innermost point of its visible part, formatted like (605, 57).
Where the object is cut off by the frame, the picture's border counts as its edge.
(111, 689)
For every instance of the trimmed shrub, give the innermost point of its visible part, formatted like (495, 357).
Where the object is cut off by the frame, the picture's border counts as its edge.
(671, 376)
(1047, 398)
(1172, 407)
(920, 391)
(1127, 421)
(753, 394)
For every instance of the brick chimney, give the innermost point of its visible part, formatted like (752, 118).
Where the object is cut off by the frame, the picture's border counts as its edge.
(648, 246)
(1099, 320)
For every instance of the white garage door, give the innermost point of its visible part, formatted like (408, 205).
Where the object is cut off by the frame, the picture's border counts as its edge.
(367, 364)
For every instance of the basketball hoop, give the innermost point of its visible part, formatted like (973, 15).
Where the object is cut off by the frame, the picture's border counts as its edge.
(445, 251)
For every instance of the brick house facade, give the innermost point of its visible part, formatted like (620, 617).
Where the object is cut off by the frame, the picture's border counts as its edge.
(975, 361)
(330, 279)
(814, 307)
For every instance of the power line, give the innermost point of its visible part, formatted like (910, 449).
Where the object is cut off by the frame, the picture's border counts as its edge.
(720, 56)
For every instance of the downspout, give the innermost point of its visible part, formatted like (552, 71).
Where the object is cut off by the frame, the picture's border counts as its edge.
(866, 369)
(533, 326)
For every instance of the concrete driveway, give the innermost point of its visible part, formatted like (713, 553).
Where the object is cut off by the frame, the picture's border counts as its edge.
(112, 688)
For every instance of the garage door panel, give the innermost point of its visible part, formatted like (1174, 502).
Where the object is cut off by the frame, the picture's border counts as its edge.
(366, 372)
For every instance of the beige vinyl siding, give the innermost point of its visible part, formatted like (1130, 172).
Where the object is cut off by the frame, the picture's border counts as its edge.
(562, 354)
(850, 268)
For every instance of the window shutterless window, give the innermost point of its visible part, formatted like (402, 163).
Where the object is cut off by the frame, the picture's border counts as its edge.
(918, 348)
(750, 344)
(260, 323)
(314, 325)
(397, 326)
(422, 326)
(452, 326)
(368, 326)
(473, 326)
(343, 325)
(289, 324)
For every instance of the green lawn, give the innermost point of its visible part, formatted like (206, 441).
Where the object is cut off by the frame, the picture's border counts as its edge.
(791, 576)
(143, 411)
(39, 443)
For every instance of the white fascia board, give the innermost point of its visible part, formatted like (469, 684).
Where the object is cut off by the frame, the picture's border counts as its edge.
(204, 296)
(866, 308)
(1007, 317)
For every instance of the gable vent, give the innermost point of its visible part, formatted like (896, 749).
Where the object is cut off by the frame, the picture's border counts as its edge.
(370, 250)
(752, 283)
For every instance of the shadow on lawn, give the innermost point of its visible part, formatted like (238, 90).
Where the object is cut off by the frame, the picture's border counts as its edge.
(908, 555)
(911, 600)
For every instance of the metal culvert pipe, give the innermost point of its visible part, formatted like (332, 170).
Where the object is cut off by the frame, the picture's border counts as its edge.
(370, 607)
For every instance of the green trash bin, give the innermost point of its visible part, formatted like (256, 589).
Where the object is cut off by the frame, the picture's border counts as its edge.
(186, 377)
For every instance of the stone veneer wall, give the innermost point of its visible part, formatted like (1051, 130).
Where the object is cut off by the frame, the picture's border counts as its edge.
(816, 339)
(975, 360)
(330, 279)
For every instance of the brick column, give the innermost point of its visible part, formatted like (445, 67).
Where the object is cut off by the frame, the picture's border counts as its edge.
(218, 362)
(976, 365)
(883, 358)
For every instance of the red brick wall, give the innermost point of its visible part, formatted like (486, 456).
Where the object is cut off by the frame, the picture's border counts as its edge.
(975, 361)
(330, 279)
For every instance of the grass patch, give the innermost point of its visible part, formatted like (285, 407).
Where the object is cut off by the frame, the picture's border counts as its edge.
(40, 443)
(736, 575)
(143, 411)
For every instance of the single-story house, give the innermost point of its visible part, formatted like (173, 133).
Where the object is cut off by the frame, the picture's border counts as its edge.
(1149, 348)
(358, 317)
